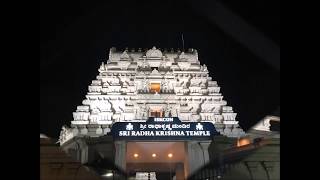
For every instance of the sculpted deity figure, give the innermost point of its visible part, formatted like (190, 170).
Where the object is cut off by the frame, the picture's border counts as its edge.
(168, 111)
(137, 114)
(195, 82)
(204, 107)
(94, 106)
(162, 64)
(184, 85)
(205, 69)
(174, 112)
(145, 85)
(164, 85)
(178, 83)
(105, 106)
(115, 81)
(144, 112)
(63, 133)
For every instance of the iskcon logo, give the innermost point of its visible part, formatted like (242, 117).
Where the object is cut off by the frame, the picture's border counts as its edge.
(129, 127)
(199, 126)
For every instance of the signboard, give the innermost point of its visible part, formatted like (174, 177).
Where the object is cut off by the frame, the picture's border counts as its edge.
(163, 129)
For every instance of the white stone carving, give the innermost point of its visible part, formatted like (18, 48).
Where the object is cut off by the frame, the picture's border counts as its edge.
(183, 56)
(84, 131)
(154, 53)
(264, 124)
(65, 134)
(124, 56)
(121, 92)
(106, 130)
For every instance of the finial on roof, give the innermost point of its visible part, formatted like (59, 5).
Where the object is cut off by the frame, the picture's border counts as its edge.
(195, 51)
(154, 52)
(183, 56)
(125, 55)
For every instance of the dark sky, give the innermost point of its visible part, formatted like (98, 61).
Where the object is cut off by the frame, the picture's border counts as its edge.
(75, 37)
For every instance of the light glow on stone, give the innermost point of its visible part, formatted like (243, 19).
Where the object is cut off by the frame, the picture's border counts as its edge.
(154, 155)
(108, 174)
(243, 142)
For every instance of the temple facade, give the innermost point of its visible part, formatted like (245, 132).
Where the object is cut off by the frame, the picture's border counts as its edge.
(134, 85)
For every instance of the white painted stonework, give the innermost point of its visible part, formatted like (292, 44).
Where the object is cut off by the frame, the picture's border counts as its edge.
(121, 93)
(264, 124)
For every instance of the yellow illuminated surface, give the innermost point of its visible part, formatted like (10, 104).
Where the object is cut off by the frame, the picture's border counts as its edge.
(160, 149)
(243, 142)
(154, 155)
(155, 87)
(155, 113)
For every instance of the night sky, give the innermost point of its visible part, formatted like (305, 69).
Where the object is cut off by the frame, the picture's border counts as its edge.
(75, 37)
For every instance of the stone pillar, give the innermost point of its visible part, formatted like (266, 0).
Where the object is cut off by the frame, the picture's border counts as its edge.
(120, 154)
(193, 160)
(205, 152)
(84, 151)
(180, 171)
(198, 155)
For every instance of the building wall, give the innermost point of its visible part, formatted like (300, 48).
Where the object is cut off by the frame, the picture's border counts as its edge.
(263, 164)
(255, 161)
(55, 164)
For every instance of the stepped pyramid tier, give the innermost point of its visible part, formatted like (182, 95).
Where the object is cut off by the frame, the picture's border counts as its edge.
(134, 85)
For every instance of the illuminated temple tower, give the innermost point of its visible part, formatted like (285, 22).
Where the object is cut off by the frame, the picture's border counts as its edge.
(135, 85)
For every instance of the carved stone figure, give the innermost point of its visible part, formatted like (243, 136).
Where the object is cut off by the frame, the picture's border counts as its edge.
(205, 69)
(145, 85)
(168, 111)
(154, 53)
(164, 85)
(144, 112)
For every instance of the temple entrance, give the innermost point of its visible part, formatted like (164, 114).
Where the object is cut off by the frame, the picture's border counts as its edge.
(162, 146)
(156, 160)
(156, 111)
